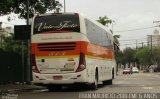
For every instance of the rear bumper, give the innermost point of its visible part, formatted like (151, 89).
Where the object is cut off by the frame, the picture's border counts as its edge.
(68, 78)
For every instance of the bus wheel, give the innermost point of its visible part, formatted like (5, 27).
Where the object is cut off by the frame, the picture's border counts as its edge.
(51, 88)
(95, 84)
(107, 82)
(113, 74)
(110, 82)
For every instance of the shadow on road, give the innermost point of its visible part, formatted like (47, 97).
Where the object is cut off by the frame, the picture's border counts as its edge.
(77, 88)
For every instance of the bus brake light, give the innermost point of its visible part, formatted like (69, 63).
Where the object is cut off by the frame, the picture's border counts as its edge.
(82, 63)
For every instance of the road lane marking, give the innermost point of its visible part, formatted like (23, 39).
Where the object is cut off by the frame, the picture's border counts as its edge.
(147, 88)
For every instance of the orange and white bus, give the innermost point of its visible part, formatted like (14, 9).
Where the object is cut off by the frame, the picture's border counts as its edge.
(69, 48)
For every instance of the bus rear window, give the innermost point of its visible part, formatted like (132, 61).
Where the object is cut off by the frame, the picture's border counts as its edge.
(56, 23)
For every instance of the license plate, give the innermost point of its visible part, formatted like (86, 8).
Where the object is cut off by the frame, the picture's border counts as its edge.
(57, 77)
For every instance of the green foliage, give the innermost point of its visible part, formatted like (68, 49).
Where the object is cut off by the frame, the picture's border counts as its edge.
(129, 55)
(11, 45)
(20, 7)
(120, 58)
(156, 55)
(144, 56)
(126, 56)
(104, 20)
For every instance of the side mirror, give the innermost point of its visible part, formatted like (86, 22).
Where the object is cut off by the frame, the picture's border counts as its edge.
(22, 32)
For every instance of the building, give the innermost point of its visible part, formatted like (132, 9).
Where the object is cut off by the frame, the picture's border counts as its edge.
(154, 40)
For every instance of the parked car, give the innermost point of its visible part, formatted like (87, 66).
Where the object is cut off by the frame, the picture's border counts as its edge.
(127, 71)
(135, 70)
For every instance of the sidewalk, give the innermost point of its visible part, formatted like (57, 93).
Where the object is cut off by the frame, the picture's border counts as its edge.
(19, 87)
(157, 73)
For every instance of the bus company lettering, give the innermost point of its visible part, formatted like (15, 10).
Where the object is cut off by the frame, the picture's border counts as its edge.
(57, 53)
(65, 24)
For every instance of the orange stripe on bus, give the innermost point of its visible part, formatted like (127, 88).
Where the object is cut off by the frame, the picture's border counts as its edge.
(87, 48)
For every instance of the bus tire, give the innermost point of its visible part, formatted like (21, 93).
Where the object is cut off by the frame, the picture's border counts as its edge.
(108, 82)
(94, 85)
(112, 73)
(51, 88)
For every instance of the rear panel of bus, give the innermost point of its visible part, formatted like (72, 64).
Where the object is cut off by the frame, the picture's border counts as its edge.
(56, 48)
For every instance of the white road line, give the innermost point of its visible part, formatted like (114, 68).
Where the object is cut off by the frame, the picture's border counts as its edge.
(147, 88)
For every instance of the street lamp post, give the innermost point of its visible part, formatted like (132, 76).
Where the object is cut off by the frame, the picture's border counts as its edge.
(64, 6)
(28, 55)
(151, 41)
(1, 34)
(27, 12)
(112, 25)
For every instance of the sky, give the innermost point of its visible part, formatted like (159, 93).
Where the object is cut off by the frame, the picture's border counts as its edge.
(127, 15)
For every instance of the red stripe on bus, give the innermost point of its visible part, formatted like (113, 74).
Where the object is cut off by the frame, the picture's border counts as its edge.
(80, 46)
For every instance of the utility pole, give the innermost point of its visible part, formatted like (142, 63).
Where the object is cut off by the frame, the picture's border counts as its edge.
(151, 45)
(1, 34)
(112, 21)
(150, 40)
(28, 55)
(142, 44)
(151, 50)
(157, 22)
(22, 57)
(64, 6)
(136, 44)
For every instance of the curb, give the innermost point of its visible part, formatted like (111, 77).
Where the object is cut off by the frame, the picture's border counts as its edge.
(19, 90)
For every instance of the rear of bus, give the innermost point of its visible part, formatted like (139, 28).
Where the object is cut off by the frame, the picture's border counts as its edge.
(57, 55)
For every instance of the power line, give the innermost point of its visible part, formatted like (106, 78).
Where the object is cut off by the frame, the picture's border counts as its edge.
(132, 43)
(145, 42)
(131, 39)
(136, 29)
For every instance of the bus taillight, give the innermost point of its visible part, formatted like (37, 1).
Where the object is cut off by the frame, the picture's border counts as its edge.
(34, 67)
(82, 63)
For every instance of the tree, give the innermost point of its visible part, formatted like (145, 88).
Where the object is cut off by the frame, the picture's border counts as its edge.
(129, 55)
(156, 57)
(11, 45)
(20, 7)
(104, 20)
(120, 58)
(156, 54)
(144, 56)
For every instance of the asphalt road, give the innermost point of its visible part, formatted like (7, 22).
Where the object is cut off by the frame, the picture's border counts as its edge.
(141, 85)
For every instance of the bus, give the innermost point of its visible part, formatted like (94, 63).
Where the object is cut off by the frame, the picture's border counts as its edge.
(70, 48)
